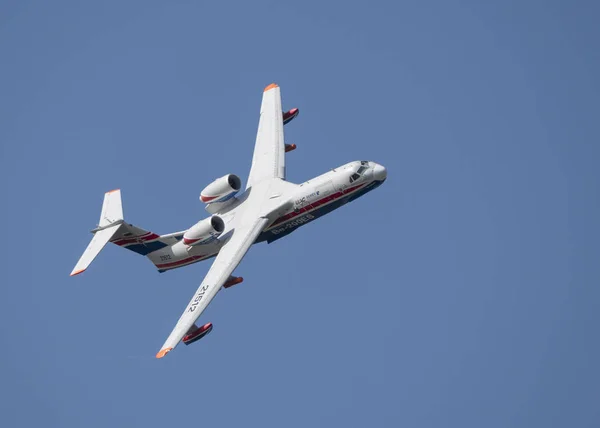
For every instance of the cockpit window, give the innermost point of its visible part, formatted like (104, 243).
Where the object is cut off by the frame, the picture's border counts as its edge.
(354, 177)
(364, 165)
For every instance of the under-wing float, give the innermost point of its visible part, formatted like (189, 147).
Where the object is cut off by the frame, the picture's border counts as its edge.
(268, 209)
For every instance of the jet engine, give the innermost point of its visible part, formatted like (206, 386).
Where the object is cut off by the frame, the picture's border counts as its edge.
(205, 231)
(221, 190)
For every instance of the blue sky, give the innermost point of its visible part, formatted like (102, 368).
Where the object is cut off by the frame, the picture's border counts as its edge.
(463, 292)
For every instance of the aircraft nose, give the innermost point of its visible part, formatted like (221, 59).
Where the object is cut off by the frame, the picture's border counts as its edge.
(379, 172)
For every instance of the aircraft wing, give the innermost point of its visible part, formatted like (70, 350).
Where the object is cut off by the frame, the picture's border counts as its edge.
(268, 160)
(226, 261)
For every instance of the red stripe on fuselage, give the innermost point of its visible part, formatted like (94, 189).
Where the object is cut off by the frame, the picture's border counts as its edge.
(316, 204)
(136, 239)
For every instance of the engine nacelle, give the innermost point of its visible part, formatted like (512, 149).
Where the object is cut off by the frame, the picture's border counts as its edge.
(205, 231)
(222, 189)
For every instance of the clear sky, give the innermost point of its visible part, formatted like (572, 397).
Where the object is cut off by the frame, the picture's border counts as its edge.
(463, 292)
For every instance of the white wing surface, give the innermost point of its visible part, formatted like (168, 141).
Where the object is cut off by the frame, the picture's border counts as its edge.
(268, 160)
(268, 167)
(94, 247)
(226, 261)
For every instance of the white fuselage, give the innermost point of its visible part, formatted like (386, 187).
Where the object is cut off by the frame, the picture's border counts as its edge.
(293, 206)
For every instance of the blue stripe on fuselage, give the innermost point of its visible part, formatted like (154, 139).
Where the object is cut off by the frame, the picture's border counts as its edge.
(146, 248)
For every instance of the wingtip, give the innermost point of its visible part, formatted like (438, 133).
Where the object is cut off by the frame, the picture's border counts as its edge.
(271, 86)
(163, 352)
(77, 272)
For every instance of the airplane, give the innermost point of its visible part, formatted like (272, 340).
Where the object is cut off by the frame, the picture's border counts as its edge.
(267, 210)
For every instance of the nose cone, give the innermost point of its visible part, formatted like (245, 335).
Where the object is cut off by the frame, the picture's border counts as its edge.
(379, 172)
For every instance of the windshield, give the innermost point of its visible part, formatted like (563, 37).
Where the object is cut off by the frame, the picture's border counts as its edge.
(364, 165)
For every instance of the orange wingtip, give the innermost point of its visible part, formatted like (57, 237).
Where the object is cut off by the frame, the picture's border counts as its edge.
(271, 86)
(111, 191)
(163, 352)
(77, 272)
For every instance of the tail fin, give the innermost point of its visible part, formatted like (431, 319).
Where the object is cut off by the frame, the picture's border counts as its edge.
(112, 208)
(111, 221)
(112, 228)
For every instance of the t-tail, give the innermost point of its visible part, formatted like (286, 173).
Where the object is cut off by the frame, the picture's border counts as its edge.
(112, 228)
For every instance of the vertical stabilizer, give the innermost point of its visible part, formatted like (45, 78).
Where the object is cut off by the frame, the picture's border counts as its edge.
(112, 228)
(112, 209)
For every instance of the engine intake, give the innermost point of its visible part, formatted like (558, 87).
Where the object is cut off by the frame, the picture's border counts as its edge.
(205, 231)
(222, 189)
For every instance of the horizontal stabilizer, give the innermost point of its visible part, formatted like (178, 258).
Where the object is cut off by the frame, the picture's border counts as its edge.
(101, 237)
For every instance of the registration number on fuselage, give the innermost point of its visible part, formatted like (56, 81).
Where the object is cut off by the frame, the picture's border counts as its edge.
(292, 224)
